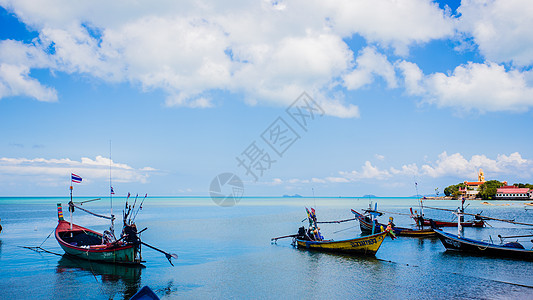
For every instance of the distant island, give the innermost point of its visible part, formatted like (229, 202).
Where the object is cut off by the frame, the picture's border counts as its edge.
(293, 196)
(369, 196)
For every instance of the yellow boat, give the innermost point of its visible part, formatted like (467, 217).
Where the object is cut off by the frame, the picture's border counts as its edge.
(366, 245)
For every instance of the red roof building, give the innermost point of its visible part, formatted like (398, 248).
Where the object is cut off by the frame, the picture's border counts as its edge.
(514, 193)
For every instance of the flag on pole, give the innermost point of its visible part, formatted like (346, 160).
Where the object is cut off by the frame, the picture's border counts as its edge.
(75, 178)
(112, 191)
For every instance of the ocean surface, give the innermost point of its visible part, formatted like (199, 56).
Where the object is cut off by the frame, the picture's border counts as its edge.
(225, 252)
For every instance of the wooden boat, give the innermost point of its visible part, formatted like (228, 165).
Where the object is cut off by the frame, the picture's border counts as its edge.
(438, 223)
(458, 243)
(367, 245)
(84, 243)
(421, 220)
(311, 239)
(365, 223)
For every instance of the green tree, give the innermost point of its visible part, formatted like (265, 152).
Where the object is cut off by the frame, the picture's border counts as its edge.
(453, 190)
(488, 189)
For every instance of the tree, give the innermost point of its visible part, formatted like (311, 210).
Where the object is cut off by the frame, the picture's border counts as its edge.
(488, 189)
(453, 190)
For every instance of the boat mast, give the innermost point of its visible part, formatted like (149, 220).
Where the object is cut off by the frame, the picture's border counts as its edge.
(70, 207)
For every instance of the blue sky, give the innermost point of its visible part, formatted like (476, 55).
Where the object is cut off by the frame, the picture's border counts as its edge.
(407, 91)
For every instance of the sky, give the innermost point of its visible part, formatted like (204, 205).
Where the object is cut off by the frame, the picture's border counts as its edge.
(323, 98)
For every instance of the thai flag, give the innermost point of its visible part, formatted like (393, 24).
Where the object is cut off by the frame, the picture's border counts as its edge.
(112, 191)
(75, 178)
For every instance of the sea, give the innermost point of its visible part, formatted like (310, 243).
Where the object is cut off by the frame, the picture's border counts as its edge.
(226, 252)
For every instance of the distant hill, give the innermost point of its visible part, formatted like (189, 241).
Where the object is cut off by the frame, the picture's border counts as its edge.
(293, 196)
(369, 196)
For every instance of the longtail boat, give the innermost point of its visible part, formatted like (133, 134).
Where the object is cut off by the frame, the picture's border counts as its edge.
(367, 225)
(366, 245)
(421, 220)
(312, 239)
(88, 244)
(457, 242)
(84, 243)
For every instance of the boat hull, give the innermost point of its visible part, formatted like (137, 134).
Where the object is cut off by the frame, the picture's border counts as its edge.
(455, 243)
(399, 231)
(438, 223)
(111, 253)
(367, 245)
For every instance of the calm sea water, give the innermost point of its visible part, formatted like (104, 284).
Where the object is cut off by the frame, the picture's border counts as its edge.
(225, 252)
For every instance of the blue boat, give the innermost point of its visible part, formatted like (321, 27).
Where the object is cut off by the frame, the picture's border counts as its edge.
(457, 243)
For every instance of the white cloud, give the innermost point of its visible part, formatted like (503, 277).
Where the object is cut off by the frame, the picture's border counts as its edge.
(379, 156)
(59, 169)
(455, 165)
(268, 51)
(500, 28)
(394, 23)
(368, 171)
(472, 87)
(15, 81)
(370, 64)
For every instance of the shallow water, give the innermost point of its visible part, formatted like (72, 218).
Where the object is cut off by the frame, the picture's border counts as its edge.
(225, 252)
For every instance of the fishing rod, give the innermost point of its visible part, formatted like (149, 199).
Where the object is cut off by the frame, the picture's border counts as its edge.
(167, 255)
(140, 207)
(488, 218)
(132, 209)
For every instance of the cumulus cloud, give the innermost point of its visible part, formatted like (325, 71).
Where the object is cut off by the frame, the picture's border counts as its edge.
(398, 24)
(454, 165)
(485, 87)
(15, 81)
(500, 28)
(459, 166)
(57, 169)
(268, 51)
(370, 64)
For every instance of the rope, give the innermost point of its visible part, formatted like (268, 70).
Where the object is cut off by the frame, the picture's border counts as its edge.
(39, 250)
(47, 237)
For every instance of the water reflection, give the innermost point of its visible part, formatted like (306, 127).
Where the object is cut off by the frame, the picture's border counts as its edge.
(121, 279)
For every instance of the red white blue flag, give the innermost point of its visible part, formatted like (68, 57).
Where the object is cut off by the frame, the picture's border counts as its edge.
(75, 178)
(112, 191)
